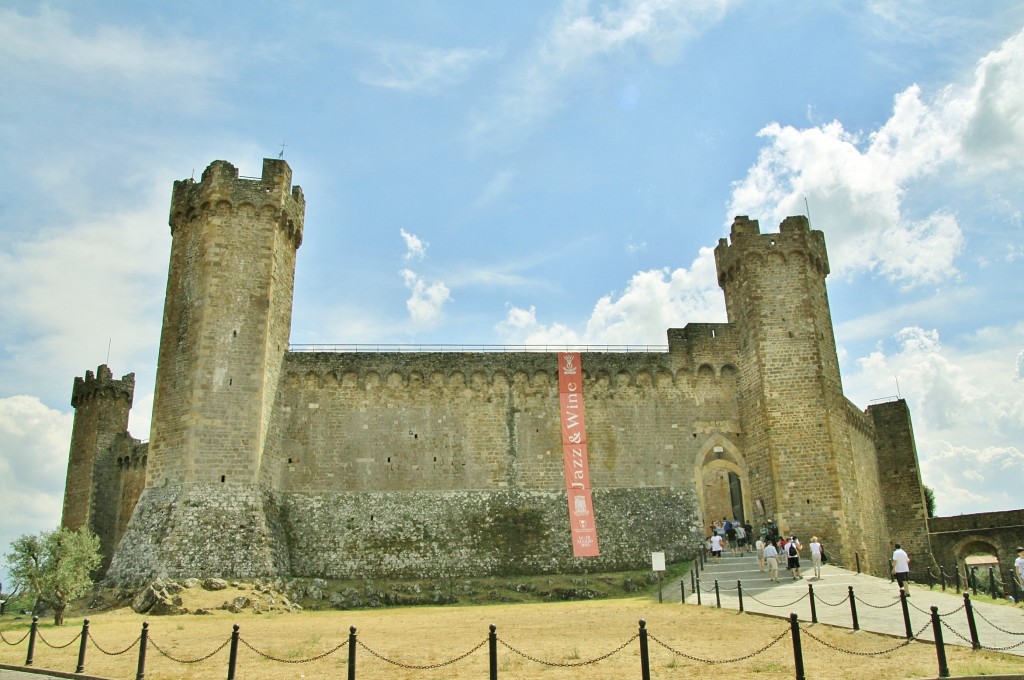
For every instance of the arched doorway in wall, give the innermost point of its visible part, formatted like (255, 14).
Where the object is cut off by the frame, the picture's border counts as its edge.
(723, 484)
(978, 559)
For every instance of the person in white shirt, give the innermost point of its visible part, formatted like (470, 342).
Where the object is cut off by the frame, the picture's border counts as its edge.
(716, 547)
(771, 559)
(901, 568)
(815, 547)
(1018, 568)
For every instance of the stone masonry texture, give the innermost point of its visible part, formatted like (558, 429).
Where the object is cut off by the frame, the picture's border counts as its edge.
(269, 462)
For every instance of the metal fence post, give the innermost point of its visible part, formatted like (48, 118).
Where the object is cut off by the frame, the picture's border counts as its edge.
(969, 610)
(645, 661)
(80, 668)
(352, 653)
(140, 672)
(233, 652)
(973, 578)
(857, 557)
(698, 590)
(693, 578)
(492, 651)
(32, 641)
(739, 591)
(798, 654)
(718, 595)
(940, 647)
(942, 574)
(853, 610)
(814, 609)
(906, 614)
(992, 583)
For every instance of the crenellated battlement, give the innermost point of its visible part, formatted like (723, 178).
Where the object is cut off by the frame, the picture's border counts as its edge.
(794, 240)
(222, 190)
(695, 352)
(102, 384)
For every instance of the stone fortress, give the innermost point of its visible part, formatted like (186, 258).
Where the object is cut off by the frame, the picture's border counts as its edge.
(267, 462)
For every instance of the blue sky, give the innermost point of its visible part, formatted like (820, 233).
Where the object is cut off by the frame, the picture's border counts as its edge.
(525, 173)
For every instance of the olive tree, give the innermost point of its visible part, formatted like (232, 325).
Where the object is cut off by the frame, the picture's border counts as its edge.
(54, 566)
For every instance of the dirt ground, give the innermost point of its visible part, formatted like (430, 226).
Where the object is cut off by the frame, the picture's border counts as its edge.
(595, 639)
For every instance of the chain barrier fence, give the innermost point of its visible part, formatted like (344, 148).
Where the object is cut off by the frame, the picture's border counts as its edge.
(853, 599)
(987, 581)
(643, 637)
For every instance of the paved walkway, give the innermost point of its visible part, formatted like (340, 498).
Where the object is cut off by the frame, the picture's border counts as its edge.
(1000, 627)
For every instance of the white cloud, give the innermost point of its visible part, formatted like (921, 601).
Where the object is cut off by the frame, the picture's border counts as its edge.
(652, 302)
(497, 187)
(856, 184)
(578, 36)
(967, 406)
(422, 69)
(427, 300)
(72, 293)
(47, 48)
(415, 247)
(967, 480)
(34, 441)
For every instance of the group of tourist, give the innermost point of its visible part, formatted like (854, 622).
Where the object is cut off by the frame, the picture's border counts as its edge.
(729, 533)
(769, 546)
(771, 549)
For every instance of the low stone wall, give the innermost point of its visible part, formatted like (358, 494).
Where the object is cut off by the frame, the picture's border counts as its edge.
(239, 532)
(481, 533)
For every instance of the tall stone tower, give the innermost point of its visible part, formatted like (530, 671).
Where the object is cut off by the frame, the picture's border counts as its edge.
(808, 464)
(101, 406)
(227, 318)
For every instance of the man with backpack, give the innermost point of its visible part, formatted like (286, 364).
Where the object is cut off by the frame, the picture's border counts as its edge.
(793, 557)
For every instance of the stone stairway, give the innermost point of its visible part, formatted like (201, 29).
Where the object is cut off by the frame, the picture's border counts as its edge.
(743, 568)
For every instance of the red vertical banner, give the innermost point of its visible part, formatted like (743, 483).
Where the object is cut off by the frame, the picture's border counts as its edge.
(574, 455)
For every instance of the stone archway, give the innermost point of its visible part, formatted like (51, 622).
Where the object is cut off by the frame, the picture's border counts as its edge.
(722, 480)
(974, 546)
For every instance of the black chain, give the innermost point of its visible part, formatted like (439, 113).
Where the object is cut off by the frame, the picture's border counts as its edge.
(569, 664)
(722, 661)
(186, 661)
(1001, 630)
(1003, 649)
(929, 613)
(817, 639)
(39, 634)
(413, 667)
(6, 641)
(778, 605)
(123, 651)
(954, 631)
(279, 660)
(875, 606)
(818, 598)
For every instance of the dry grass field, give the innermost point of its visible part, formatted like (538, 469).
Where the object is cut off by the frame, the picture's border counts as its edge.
(564, 635)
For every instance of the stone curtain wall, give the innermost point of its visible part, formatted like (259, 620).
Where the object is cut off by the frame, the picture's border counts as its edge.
(368, 422)
(865, 523)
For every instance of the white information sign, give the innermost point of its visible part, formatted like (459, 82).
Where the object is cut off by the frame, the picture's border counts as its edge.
(658, 561)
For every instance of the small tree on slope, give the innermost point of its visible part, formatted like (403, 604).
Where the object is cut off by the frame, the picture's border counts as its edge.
(55, 565)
